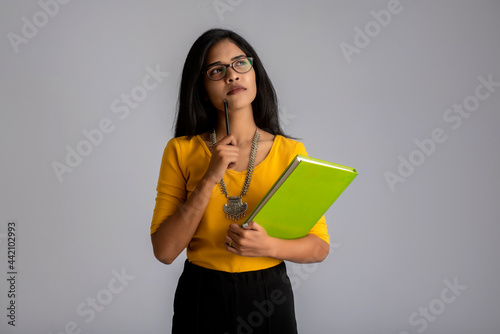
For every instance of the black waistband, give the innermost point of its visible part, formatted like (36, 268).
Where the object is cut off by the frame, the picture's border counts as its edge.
(250, 276)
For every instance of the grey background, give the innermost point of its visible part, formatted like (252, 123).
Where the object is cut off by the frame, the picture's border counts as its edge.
(393, 250)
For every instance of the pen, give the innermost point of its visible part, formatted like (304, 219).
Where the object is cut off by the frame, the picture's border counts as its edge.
(227, 118)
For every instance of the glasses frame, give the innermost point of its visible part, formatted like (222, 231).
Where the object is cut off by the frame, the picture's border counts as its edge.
(226, 66)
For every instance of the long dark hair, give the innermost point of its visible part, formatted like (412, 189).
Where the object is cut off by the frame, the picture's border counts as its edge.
(196, 114)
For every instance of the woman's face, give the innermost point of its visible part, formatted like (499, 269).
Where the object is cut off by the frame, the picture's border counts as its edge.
(238, 89)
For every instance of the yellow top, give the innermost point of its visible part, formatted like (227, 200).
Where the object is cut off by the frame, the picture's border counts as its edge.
(185, 161)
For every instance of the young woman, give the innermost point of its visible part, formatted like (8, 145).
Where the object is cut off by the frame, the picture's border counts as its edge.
(234, 278)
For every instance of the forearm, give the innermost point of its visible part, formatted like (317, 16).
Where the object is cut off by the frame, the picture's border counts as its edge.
(253, 240)
(175, 233)
(308, 249)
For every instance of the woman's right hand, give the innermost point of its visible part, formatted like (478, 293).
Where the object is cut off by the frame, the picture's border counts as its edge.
(225, 154)
(177, 231)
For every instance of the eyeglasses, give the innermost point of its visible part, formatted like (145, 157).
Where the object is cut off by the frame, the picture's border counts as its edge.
(219, 71)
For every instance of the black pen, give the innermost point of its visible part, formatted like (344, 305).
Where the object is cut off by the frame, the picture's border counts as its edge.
(227, 118)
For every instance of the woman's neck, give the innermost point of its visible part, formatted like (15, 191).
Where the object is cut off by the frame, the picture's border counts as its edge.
(241, 124)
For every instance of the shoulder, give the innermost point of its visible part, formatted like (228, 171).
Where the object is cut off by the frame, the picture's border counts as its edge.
(183, 142)
(280, 141)
(291, 145)
(183, 146)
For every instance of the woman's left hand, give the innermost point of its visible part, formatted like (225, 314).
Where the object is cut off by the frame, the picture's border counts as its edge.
(249, 241)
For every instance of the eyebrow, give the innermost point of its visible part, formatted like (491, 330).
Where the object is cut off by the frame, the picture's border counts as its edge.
(219, 62)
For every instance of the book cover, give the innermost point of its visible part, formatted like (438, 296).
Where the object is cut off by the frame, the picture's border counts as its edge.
(301, 196)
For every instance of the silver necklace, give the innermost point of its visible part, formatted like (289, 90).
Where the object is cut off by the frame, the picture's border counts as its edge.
(235, 207)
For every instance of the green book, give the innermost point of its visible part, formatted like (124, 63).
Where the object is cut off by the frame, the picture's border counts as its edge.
(300, 197)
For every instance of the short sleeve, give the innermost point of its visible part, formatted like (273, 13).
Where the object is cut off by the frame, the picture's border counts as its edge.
(320, 229)
(171, 188)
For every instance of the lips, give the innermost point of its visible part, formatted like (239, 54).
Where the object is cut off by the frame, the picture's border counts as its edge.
(236, 89)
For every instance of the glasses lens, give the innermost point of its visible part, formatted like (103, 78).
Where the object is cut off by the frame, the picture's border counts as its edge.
(216, 72)
(242, 65)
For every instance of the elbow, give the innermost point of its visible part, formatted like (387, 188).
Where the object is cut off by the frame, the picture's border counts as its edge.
(323, 255)
(162, 252)
(322, 249)
(164, 258)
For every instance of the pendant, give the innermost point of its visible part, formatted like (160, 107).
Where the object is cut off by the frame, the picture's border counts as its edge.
(235, 208)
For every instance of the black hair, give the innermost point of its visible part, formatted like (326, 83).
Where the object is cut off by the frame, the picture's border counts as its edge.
(196, 114)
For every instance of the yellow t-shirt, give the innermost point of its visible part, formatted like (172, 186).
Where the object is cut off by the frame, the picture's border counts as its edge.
(185, 161)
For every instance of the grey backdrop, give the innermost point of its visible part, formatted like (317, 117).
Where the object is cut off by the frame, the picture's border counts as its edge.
(407, 92)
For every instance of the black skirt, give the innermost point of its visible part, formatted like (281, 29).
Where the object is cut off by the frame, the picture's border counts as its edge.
(210, 301)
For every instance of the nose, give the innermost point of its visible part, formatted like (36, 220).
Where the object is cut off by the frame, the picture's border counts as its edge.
(231, 74)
